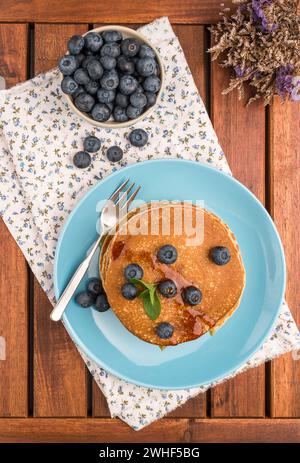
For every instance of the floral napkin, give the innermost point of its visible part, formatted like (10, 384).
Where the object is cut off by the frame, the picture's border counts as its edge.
(39, 186)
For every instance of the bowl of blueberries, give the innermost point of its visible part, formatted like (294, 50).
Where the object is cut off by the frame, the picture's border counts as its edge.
(112, 76)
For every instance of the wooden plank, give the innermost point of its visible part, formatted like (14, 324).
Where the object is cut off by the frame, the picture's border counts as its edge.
(285, 198)
(14, 277)
(99, 406)
(97, 430)
(191, 38)
(241, 132)
(59, 372)
(184, 11)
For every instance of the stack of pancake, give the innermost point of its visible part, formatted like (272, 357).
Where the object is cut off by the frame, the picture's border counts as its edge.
(138, 238)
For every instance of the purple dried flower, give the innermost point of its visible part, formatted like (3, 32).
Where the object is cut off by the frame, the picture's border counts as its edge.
(284, 81)
(269, 64)
(239, 71)
(259, 14)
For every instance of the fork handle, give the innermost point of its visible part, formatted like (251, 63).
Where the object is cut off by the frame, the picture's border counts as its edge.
(73, 284)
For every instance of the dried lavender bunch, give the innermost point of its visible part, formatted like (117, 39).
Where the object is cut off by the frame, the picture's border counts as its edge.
(261, 43)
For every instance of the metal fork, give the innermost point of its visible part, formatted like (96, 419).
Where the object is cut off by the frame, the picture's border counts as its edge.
(108, 220)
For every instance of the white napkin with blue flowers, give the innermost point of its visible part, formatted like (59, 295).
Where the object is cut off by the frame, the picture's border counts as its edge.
(39, 186)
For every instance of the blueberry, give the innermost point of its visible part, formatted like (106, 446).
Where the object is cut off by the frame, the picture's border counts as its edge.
(139, 138)
(108, 62)
(86, 61)
(92, 87)
(80, 58)
(101, 304)
(75, 44)
(110, 49)
(122, 100)
(133, 271)
(112, 36)
(67, 65)
(220, 255)
(101, 112)
(106, 96)
(120, 114)
(128, 85)
(84, 102)
(130, 47)
(151, 99)
(132, 112)
(125, 64)
(94, 69)
(164, 330)
(68, 85)
(85, 299)
(129, 291)
(146, 66)
(91, 144)
(138, 99)
(167, 254)
(94, 286)
(167, 288)
(192, 295)
(81, 76)
(82, 159)
(114, 154)
(93, 41)
(146, 51)
(152, 84)
(110, 80)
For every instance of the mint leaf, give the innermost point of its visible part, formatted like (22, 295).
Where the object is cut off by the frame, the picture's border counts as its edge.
(152, 310)
(152, 293)
(149, 297)
(144, 293)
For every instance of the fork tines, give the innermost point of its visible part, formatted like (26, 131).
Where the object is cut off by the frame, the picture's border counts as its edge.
(122, 197)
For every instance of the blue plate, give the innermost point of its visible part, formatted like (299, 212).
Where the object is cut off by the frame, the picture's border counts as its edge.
(105, 340)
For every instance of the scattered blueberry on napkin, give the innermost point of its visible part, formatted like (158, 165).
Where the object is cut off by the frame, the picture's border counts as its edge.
(39, 186)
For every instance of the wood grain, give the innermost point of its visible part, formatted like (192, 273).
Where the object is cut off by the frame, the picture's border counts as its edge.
(173, 430)
(241, 132)
(59, 372)
(133, 11)
(14, 272)
(285, 199)
(192, 38)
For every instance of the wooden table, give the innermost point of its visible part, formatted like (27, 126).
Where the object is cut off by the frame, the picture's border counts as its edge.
(46, 393)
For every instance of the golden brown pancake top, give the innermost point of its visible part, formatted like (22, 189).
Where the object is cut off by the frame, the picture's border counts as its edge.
(221, 286)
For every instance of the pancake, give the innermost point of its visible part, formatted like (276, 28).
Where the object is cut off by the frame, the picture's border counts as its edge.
(138, 238)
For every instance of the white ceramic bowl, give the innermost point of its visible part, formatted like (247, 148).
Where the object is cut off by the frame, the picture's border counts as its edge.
(126, 32)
